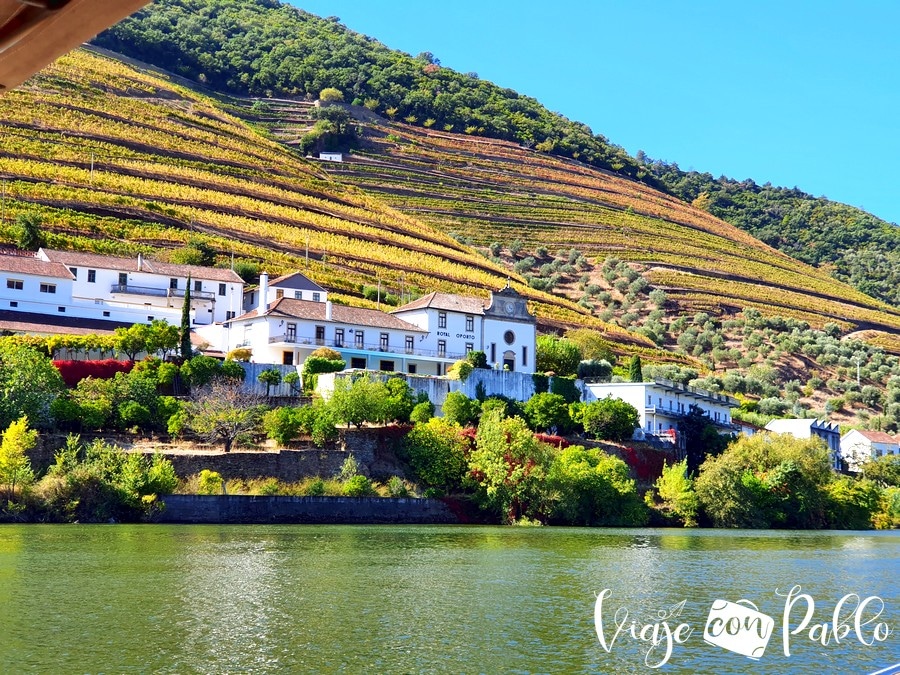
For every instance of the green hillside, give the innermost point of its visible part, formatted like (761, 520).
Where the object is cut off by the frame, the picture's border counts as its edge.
(267, 48)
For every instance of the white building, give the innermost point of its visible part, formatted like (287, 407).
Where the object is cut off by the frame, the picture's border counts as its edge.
(503, 328)
(120, 291)
(288, 330)
(424, 337)
(331, 156)
(661, 404)
(858, 446)
(295, 286)
(807, 428)
(143, 286)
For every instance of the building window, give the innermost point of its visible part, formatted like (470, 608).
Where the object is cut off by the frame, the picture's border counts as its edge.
(359, 339)
(74, 271)
(358, 362)
(298, 295)
(338, 337)
(150, 318)
(469, 347)
(279, 293)
(386, 366)
(410, 341)
(470, 323)
(13, 303)
(229, 315)
(123, 279)
(48, 288)
(173, 283)
(316, 297)
(15, 284)
(442, 319)
(320, 335)
(287, 358)
(411, 369)
(493, 353)
(649, 400)
(60, 309)
(442, 348)
(291, 334)
(509, 337)
(221, 289)
(383, 342)
(524, 356)
(106, 313)
(92, 276)
(198, 286)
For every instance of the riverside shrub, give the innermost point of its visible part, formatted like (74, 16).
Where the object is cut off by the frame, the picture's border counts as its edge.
(435, 450)
(767, 480)
(99, 481)
(593, 488)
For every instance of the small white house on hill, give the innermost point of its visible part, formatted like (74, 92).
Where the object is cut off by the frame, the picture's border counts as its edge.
(859, 446)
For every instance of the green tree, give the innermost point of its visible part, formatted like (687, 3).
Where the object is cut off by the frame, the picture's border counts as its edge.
(676, 490)
(29, 382)
(508, 467)
(767, 480)
(460, 409)
(635, 372)
(186, 349)
(610, 418)
(359, 400)
(223, 411)
(133, 340)
(884, 470)
(700, 438)
(29, 233)
(271, 377)
(591, 487)
(162, 338)
(400, 401)
(557, 355)
(331, 95)
(15, 466)
(548, 411)
(435, 450)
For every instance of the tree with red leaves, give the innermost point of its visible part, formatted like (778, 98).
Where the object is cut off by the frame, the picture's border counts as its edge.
(508, 467)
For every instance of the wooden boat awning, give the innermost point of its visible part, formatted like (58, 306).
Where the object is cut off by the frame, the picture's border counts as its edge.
(34, 33)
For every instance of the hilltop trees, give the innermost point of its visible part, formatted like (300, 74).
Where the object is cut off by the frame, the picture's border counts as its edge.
(254, 58)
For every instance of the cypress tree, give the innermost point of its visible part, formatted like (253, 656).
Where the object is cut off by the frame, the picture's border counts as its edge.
(186, 348)
(635, 373)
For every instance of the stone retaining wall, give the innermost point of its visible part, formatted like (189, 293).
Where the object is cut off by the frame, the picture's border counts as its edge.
(312, 510)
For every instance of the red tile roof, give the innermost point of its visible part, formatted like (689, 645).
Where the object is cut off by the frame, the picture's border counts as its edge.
(877, 436)
(315, 311)
(445, 301)
(108, 262)
(20, 264)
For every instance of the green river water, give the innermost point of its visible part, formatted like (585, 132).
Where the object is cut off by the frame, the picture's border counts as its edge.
(417, 599)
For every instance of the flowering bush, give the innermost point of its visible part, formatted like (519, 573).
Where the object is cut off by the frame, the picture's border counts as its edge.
(74, 372)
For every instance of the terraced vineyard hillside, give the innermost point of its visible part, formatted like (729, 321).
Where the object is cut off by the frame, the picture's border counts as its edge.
(122, 161)
(486, 191)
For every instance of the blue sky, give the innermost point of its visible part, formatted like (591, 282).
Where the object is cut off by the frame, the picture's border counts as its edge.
(793, 93)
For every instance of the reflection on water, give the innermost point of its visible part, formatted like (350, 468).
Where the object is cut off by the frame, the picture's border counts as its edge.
(376, 599)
